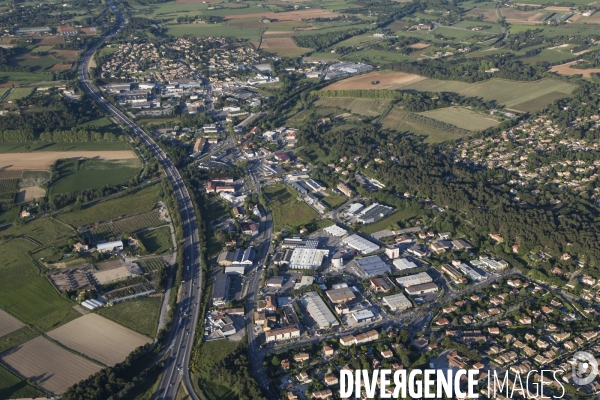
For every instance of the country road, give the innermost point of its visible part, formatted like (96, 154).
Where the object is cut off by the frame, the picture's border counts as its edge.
(186, 315)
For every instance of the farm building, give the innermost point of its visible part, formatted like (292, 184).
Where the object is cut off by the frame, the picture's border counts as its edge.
(110, 246)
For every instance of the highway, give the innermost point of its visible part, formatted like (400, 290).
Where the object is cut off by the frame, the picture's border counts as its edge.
(186, 315)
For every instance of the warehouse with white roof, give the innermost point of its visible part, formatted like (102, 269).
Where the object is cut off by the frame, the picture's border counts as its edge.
(303, 258)
(402, 264)
(397, 302)
(318, 310)
(412, 280)
(335, 230)
(360, 244)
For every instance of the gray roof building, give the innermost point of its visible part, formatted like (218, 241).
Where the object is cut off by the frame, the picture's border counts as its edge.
(371, 266)
(319, 311)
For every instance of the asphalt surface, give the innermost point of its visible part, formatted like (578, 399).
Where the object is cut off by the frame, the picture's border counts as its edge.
(186, 315)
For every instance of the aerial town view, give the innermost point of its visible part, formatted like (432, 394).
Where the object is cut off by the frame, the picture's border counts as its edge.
(299, 199)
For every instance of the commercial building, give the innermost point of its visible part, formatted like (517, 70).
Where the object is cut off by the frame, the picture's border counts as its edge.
(392, 252)
(374, 212)
(490, 263)
(274, 335)
(345, 189)
(402, 264)
(423, 288)
(318, 310)
(412, 280)
(354, 208)
(335, 230)
(382, 285)
(363, 316)
(294, 242)
(303, 258)
(341, 295)
(461, 244)
(360, 244)
(397, 302)
(369, 267)
(221, 290)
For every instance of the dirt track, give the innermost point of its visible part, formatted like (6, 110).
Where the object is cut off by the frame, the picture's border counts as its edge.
(42, 160)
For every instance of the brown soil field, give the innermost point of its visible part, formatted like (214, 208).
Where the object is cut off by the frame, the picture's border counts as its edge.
(565, 69)
(8, 323)
(279, 33)
(197, 1)
(51, 41)
(4, 174)
(562, 9)
(528, 16)
(288, 15)
(42, 160)
(390, 80)
(488, 14)
(60, 67)
(575, 18)
(66, 55)
(593, 19)
(284, 42)
(50, 366)
(99, 338)
(418, 46)
(30, 193)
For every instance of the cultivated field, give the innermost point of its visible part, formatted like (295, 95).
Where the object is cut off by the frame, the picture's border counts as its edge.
(133, 224)
(462, 118)
(418, 46)
(565, 69)
(489, 14)
(98, 338)
(387, 80)
(288, 211)
(284, 46)
(44, 160)
(297, 15)
(50, 366)
(19, 93)
(139, 314)
(30, 193)
(516, 16)
(141, 201)
(8, 323)
(369, 107)
(399, 120)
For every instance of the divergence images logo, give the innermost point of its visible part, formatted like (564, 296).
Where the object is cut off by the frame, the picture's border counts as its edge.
(584, 363)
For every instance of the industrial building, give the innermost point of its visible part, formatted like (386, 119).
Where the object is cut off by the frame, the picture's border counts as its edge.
(354, 209)
(490, 263)
(412, 280)
(363, 316)
(294, 242)
(423, 288)
(371, 266)
(350, 67)
(397, 302)
(382, 285)
(341, 295)
(461, 244)
(392, 252)
(318, 310)
(402, 264)
(360, 244)
(335, 230)
(374, 212)
(303, 258)
(221, 290)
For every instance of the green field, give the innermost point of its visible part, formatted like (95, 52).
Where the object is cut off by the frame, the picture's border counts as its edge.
(462, 118)
(16, 265)
(78, 175)
(17, 338)
(387, 222)
(251, 34)
(140, 314)
(56, 319)
(376, 56)
(19, 93)
(24, 77)
(157, 241)
(334, 200)
(396, 120)
(551, 56)
(33, 300)
(8, 216)
(42, 146)
(368, 107)
(521, 96)
(289, 212)
(141, 201)
(42, 231)
(13, 387)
